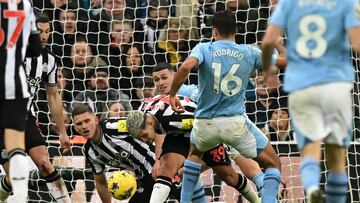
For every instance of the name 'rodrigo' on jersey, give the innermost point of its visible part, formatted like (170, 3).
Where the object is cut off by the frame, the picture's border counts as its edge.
(224, 71)
(319, 51)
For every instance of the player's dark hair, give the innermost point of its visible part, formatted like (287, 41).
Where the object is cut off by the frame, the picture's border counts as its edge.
(162, 66)
(42, 18)
(80, 109)
(225, 22)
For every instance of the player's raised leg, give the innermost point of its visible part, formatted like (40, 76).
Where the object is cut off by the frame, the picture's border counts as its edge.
(192, 169)
(249, 167)
(249, 141)
(228, 174)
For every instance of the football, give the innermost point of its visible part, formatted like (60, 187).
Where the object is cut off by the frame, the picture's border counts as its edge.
(122, 184)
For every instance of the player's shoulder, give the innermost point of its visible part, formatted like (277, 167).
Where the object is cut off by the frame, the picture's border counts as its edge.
(114, 126)
(87, 147)
(201, 46)
(252, 49)
(46, 50)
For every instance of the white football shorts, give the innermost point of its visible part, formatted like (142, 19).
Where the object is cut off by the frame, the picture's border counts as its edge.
(237, 131)
(322, 112)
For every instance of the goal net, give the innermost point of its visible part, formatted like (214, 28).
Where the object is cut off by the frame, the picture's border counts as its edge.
(125, 39)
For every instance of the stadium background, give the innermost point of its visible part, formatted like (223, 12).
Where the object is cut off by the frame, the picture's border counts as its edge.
(126, 38)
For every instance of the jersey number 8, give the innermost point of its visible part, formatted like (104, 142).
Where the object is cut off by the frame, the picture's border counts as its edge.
(308, 34)
(229, 77)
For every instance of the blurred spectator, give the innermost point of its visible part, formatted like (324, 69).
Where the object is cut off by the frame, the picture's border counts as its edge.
(100, 25)
(121, 39)
(82, 60)
(158, 13)
(64, 34)
(82, 56)
(144, 88)
(252, 18)
(63, 75)
(266, 99)
(49, 6)
(278, 127)
(187, 10)
(116, 110)
(99, 93)
(134, 67)
(205, 13)
(174, 44)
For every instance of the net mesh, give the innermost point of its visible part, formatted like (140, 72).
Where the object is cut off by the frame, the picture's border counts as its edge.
(125, 39)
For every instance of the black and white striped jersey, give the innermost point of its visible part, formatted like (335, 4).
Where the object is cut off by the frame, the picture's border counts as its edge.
(119, 150)
(39, 69)
(170, 121)
(17, 22)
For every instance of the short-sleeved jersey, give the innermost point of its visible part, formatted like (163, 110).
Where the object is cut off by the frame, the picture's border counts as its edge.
(119, 150)
(41, 69)
(190, 91)
(17, 22)
(170, 122)
(224, 71)
(318, 48)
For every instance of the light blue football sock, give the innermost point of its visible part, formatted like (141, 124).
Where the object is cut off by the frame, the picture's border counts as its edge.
(310, 173)
(272, 179)
(199, 193)
(336, 187)
(258, 179)
(190, 179)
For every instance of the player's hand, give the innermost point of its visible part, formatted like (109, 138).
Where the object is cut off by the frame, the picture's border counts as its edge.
(176, 104)
(65, 143)
(155, 169)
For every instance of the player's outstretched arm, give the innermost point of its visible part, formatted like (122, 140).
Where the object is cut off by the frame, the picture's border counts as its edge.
(56, 110)
(101, 187)
(270, 41)
(354, 35)
(179, 78)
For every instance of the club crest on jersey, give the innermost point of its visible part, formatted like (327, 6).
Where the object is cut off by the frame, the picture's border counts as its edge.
(45, 67)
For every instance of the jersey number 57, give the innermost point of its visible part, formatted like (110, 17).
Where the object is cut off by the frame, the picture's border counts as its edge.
(20, 15)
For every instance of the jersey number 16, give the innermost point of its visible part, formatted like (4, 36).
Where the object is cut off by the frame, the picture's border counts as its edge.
(229, 77)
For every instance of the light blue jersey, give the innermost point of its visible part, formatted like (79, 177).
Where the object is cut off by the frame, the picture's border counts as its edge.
(224, 71)
(190, 91)
(318, 49)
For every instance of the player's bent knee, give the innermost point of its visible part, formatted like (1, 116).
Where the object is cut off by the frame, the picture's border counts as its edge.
(170, 164)
(227, 174)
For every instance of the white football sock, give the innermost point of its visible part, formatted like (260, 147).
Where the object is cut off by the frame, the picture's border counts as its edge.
(58, 191)
(19, 175)
(161, 190)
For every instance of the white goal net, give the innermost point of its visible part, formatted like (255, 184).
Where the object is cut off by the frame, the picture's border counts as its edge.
(125, 39)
